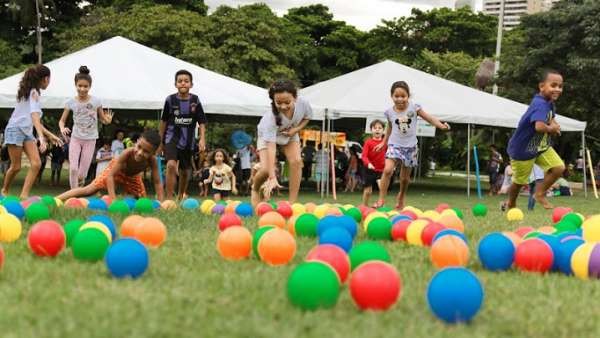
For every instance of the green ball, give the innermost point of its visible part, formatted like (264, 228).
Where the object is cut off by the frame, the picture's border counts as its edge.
(89, 245)
(120, 207)
(384, 209)
(380, 228)
(143, 206)
(479, 210)
(368, 251)
(458, 212)
(273, 204)
(306, 225)
(565, 226)
(354, 213)
(256, 238)
(72, 228)
(532, 234)
(10, 198)
(36, 212)
(222, 202)
(49, 201)
(573, 218)
(313, 285)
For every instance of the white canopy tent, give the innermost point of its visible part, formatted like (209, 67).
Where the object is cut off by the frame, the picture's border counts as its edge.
(128, 75)
(364, 93)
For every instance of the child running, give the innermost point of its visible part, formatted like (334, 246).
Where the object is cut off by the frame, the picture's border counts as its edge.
(531, 144)
(86, 110)
(126, 171)
(221, 175)
(19, 137)
(401, 140)
(373, 160)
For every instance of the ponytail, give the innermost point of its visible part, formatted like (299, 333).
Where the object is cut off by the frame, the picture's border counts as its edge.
(31, 79)
(281, 86)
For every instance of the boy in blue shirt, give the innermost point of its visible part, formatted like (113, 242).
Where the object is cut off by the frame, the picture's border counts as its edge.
(530, 144)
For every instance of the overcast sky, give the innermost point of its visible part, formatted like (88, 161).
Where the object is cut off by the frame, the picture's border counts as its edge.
(363, 14)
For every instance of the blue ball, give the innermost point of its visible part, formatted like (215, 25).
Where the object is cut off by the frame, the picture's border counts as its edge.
(337, 236)
(15, 208)
(155, 204)
(449, 232)
(348, 223)
(190, 204)
(126, 257)
(399, 218)
(130, 202)
(496, 252)
(244, 209)
(326, 223)
(579, 232)
(106, 221)
(554, 244)
(97, 204)
(565, 234)
(455, 295)
(564, 253)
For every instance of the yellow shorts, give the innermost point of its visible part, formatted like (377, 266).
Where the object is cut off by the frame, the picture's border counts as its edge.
(522, 169)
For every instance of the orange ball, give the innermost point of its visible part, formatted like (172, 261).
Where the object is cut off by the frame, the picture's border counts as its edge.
(291, 225)
(277, 247)
(310, 207)
(516, 239)
(84, 201)
(151, 231)
(546, 229)
(130, 224)
(74, 203)
(168, 205)
(271, 218)
(449, 250)
(230, 208)
(235, 243)
(452, 222)
(334, 211)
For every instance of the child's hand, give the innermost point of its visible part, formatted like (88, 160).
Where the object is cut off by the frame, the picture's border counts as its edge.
(269, 185)
(379, 146)
(206, 181)
(371, 166)
(108, 116)
(555, 127)
(65, 131)
(444, 126)
(234, 190)
(43, 145)
(56, 141)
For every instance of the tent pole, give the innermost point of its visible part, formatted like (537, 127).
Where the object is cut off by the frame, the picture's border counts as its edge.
(330, 158)
(468, 160)
(585, 190)
(322, 188)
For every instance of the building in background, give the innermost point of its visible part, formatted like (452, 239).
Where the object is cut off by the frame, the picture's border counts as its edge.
(515, 9)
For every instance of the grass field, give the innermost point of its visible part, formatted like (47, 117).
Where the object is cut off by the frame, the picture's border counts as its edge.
(189, 291)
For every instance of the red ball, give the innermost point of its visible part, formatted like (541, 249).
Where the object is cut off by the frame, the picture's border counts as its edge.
(559, 212)
(410, 214)
(46, 238)
(107, 199)
(399, 230)
(366, 211)
(430, 231)
(332, 255)
(228, 220)
(1, 257)
(441, 207)
(375, 285)
(534, 255)
(285, 209)
(522, 231)
(262, 208)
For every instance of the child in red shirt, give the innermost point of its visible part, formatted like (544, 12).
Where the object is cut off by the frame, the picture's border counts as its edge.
(374, 161)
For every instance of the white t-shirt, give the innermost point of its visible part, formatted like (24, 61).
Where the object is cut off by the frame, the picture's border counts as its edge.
(404, 125)
(117, 147)
(244, 155)
(268, 131)
(101, 165)
(21, 115)
(85, 117)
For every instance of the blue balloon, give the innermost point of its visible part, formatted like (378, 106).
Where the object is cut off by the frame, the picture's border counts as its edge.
(190, 203)
(326, 223)
(155, 204)
(449, 232)
(554, 244)
(337, 236)
(496, 252)
(126, 257)
(15, 208)
(97, 204)
(455, 295)
(106, 221)
(130, 202)
(348, 223)
(244, 210)
(564, 253)
(399, 218)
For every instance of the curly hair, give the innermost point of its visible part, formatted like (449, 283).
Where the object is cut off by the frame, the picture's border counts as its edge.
(226, 158)
(32, 79)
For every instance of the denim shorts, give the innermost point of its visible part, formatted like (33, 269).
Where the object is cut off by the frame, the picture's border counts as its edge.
(18, 135)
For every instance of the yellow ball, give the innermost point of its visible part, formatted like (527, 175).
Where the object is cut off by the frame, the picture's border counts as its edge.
(591, 229)
(448, 212)
(58, 202)
(371, 216)
(393, 213)
(413, 233)
(168, 205)
(431, 214)
(298, 209)
(2, 210)
(99, 226)
(417, 211)
(514, 214)
(580, 260)
(348, 206)
(206, 206)
(10, 228)
(321, 210)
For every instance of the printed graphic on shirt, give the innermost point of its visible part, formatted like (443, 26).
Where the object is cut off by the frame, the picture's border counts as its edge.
(405, 123)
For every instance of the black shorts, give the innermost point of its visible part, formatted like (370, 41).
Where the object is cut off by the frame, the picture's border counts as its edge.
(246, 174)
(223, 193)
(183, 156)
(371, 177)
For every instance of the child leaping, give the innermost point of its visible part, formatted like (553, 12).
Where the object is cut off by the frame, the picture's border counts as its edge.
(401, 140)
(221, 175)
(126, 171)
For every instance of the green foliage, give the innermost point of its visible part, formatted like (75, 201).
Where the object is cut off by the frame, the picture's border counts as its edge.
(458, 67)
(10, 60)
(197, 6)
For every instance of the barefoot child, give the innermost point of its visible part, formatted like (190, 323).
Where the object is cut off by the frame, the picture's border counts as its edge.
(373, 161)
(401, 140)
(531, 142)
(126, 171)
(221, 175)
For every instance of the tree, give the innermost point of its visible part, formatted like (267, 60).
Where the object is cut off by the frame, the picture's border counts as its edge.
(197, 6)
(458, 67)
(10, 60)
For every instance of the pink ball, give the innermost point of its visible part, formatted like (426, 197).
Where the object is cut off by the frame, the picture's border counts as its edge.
(522, 231)
(559, 212)
(430, 231)
(46, 238)
(1, 257)
(262, 208)
(228, 220)
(375, 285)
(534, 255)
(399, 230)
(333, 255)
(285, 209)
(441, 207)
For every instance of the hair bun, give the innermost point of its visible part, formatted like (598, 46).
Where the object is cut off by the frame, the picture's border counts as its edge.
(84, 70)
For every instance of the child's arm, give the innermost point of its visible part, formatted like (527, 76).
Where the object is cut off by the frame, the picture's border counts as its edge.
(118, 166)
(210, 176)
(292, 131)
(433, 120)
(61, 123)
(161, 131)
(156, 179)
(365, 156)
(553, 128)
(202, 141)
(233, 183)
(105, 117)
(37, 123)
(388, 132)
(53, 138)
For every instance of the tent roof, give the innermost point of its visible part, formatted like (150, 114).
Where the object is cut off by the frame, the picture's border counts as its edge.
(131, 76)
(365, 93)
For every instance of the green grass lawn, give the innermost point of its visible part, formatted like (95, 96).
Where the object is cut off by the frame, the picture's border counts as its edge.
(189, 291)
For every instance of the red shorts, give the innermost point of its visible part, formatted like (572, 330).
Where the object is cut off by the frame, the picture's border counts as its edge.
(133, 185)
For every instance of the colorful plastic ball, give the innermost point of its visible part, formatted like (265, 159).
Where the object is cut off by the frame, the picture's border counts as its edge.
(107, 199)
(106, 221)
(46, 238)
(74, 203)
(414, 231)
(585, 261)
(337, 236)
(143, 206)
(399, 230)
(546, 230)
(523, 231)
(441, 207)
(228, 220)
(310, 207)
(348, 223)
(564, 254)
(565, 226)
(244, 210)
(129, 225)
(100, 226)
(234, 243)
(397, 218)
(127, 257)
(371, 216)
(218, 209)
(49, 201)
(89, 245)
(312, 286)
(10, 198)
(449, 250)
(1, 257)
(368, 251)
(156, 204)
(257, 236)
(262, 208)
(298, 209)
(496, 252)
(10, 228)
(375, 285)
(432, 215)
(276, 247)
(533, 234)
(119, 207)
(36, 212)
(285, 209)
(168, 205)
(306, 225)
(206, 206)
(591, 229)
(97, 204)
(326, 223)
(559, 212)
(130, 202)
(271, 218)
(449, 232)
(458, 212)
(515, 215)
(332, 255)
(25, 204)
(534, 255)
(380, 228)
(479, 210)
(455, 295)
(410, 214)
(321, 210)
(151, 231)
(430, 231)
(554, 244)
(190, 204)
(354, 213)
(71, 229)
(572, 218)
